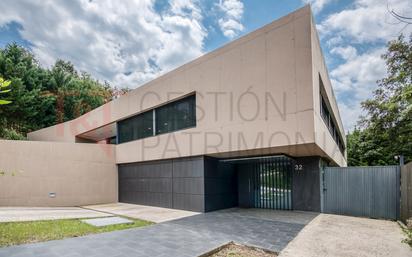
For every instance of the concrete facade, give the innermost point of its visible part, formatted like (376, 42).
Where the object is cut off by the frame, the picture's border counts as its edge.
(56, 174)
(256, 96)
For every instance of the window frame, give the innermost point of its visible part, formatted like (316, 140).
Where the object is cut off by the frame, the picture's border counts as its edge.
(190, 98)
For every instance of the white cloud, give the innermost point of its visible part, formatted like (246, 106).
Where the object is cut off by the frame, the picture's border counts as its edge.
(125, 42)
(355, 79)
(358, 34)
(350, 113)
(360, 73)
(347, 53)
(336, 40)
(232, 12)
(317, 5)
(368, 21)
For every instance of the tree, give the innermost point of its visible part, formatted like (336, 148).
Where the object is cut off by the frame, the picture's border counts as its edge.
(355, 148)
(44, 97)
(4, 88)
(386, 129)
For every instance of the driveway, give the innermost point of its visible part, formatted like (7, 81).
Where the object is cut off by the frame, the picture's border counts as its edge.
(343, 236)
(190, 236)
(143, 212)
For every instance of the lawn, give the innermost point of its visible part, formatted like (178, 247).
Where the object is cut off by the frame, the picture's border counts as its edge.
(14, 233)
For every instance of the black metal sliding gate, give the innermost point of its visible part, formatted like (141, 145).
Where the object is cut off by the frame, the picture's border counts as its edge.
(265, 182)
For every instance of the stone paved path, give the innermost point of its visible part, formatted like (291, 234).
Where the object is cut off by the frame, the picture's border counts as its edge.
(12, 214)
(189, 236)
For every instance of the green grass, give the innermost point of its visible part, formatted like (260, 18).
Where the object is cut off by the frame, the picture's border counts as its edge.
(408, 239)
(14, 233)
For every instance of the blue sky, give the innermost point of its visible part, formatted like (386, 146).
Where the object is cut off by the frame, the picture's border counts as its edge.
(130, 42)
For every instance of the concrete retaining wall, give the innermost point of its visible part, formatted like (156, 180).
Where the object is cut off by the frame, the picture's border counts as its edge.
(56, 174)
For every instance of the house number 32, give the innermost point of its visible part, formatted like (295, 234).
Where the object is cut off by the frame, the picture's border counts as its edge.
(298, 167)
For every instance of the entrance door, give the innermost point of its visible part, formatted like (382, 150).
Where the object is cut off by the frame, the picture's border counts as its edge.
(265, 182)
(247, 188)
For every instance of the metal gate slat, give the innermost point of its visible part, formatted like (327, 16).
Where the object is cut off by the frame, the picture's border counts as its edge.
(283, 185)
(275, 184)
(266, 183)
(280, 184)
(272, 185)
(270, 192)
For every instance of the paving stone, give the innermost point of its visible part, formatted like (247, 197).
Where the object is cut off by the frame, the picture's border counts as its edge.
(101, 222)
(191, 236)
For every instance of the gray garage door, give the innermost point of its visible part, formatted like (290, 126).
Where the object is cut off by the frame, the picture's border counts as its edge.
(362, 191)
(175, 184)
(198, 184)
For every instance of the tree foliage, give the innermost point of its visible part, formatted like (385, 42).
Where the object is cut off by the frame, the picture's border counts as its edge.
(386, 129)
(4, 88)
(44, 97)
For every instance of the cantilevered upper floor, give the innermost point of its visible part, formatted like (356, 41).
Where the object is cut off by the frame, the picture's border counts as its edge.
(267, 92)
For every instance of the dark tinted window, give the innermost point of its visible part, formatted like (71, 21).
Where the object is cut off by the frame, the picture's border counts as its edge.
(176, 115)
(329, 119)
(136, 127)
(324, 110)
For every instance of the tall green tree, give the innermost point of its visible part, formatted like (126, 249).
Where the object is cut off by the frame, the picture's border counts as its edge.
(386, 129)
(44, 97)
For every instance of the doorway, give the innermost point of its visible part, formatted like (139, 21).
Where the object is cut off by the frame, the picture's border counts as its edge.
(264, 182)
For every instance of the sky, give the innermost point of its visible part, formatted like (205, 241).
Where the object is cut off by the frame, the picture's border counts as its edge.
(130, 42)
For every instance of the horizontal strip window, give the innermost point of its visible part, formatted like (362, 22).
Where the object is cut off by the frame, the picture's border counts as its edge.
(136, 127)
(177, 115)
(329, 120)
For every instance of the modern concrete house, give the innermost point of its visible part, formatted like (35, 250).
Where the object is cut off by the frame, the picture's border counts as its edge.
(250, 124)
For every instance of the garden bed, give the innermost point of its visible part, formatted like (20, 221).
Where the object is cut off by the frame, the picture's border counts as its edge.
(237, 250)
